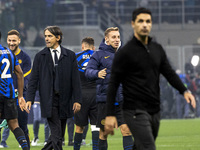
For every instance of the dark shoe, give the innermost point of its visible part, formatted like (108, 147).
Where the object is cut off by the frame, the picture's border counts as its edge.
(70, 143)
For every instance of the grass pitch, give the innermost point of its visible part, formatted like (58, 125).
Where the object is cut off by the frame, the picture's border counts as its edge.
(173, 135)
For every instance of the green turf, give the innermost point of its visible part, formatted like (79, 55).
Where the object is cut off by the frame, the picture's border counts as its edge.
(173, 135)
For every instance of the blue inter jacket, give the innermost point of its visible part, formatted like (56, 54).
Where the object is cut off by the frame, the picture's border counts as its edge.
(25, 63)
(101, 59)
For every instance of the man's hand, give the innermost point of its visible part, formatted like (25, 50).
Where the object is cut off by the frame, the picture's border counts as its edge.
(190, 99)
(28, 105)
(76, 107)
(102, 73)
(22, 104)
(110, 124)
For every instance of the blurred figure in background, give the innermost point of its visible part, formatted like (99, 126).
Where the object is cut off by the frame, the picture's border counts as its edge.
(23, 33)
(36, 122)
(39, 39)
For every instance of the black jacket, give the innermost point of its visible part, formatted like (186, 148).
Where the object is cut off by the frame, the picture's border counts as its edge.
(138, 68)
(69, 82)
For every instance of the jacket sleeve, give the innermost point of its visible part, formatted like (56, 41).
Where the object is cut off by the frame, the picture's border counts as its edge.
(92, 68)
(76, 83)
(26, 70)
(170, 74)
(33, 81)
(116, 77)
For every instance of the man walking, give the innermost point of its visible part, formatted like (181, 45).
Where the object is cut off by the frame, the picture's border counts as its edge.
(55, 70)
(138, 66)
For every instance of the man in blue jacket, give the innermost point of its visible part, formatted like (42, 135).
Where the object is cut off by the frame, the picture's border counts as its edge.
(99, 68)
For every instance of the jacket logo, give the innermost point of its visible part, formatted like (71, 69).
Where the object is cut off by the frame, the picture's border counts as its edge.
(106, 57)
(103, 122)
(20, 61)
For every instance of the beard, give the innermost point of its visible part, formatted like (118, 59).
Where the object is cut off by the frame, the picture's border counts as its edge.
(14, 49)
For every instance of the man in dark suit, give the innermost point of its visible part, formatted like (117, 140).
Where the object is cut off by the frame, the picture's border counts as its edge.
(55, 70)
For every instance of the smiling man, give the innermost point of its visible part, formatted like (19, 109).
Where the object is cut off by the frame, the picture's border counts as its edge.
(99, 68)
(13, 41)
(55, 72)
(137, 66)
(8, 106)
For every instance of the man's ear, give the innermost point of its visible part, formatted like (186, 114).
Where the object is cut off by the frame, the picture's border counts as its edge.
(133, 24)
(106, 39)
(93, 48)
(82, 47)
(58, 38)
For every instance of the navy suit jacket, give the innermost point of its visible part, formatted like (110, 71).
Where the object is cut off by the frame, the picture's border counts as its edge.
(69, 82)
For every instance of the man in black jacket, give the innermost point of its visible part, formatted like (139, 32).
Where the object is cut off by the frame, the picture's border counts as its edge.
(138, 66)
(55, 70)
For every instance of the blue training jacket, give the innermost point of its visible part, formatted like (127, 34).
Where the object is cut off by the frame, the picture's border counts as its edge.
(25, 64)
(101, 59)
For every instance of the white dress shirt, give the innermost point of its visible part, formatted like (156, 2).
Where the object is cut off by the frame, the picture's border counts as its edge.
(58, 52)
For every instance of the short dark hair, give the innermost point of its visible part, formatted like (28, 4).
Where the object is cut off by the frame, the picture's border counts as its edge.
(13, 32)
(56, 31)
(140, 10)
(88, 40)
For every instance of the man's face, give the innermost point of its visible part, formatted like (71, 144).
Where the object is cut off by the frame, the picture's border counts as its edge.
(51, 40)
(142, 25)
(13, 42)
(113, 39)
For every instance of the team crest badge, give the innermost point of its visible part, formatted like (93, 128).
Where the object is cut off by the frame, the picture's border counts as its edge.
(103, 122)
(20, 61)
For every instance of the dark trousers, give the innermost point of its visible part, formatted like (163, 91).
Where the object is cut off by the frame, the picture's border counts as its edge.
(70, 126)
(55, 139)
(70, 129)
(63, 127)
(144, 128)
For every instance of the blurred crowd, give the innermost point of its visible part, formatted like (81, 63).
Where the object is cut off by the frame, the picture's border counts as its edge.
(42, 12)
(173, 104)
(25, 13)
(37, 14)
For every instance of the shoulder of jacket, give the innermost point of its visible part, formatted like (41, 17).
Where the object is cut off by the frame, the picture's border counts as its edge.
(67, 51)
(25, 54)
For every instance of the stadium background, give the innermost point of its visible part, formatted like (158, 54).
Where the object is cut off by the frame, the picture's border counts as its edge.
(176, 25)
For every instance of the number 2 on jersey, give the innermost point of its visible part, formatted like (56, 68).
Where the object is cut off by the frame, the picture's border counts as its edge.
(4, 73)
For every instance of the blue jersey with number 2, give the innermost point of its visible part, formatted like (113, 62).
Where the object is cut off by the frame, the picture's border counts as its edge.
(7, 63)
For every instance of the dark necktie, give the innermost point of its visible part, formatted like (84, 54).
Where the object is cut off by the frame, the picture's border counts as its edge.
(55, 57)
(56, 77)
